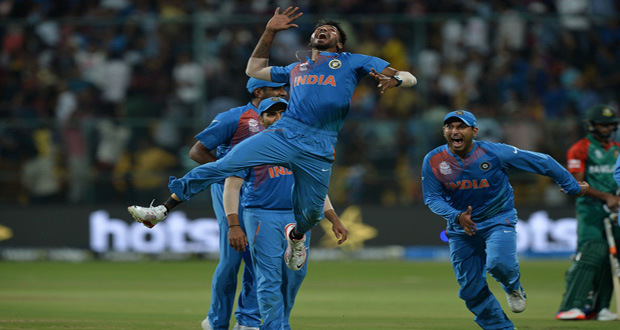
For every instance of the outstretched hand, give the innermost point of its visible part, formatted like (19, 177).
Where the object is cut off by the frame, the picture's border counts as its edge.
(465, 221)
(385, 82)
(584, 188)
(282, 21)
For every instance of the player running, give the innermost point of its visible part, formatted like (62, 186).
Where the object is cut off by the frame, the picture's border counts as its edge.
(466, 182)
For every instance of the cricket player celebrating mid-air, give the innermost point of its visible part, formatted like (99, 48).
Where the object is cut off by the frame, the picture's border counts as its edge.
(321, 87)
(466, 182)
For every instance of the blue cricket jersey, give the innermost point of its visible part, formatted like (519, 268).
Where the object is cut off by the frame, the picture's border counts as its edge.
(321, 90)
(229, 128)
(451, 184)
(268, 187)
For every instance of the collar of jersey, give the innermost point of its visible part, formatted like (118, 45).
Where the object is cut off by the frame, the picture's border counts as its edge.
(468, 154)
(321, 53)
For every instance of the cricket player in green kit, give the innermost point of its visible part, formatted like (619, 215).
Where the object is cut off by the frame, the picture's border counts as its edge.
(588, 281)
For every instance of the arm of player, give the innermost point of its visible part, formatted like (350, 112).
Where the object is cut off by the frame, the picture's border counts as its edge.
(219, 132)
(236, 236)
(200, 154)
(434, 197)
(390, 78)
(258, 63)
(612, 201)
(542, 164)
(340, 231)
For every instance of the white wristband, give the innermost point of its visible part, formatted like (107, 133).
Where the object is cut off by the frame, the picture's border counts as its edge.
(407, 78)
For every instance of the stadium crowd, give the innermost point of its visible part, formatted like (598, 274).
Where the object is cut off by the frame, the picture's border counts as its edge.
(100, 100)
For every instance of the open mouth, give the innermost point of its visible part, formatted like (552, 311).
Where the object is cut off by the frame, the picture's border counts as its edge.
(321, 35)
(457, 142)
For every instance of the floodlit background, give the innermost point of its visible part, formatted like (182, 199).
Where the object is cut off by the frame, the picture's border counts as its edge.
(100, 102)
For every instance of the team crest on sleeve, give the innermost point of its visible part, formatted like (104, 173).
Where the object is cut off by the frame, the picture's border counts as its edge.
(444, 168)
(485, 166)
(335, 64)
(253, 125)
(574, 164)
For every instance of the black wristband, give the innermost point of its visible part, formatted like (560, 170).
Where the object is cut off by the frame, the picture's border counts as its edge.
(399, 81)
(234, 226)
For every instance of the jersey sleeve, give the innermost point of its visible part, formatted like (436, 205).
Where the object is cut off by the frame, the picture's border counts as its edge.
(220, 131)
(433, 193)
(365, 63)
(282, 74)
(576, 158)
(538, 163)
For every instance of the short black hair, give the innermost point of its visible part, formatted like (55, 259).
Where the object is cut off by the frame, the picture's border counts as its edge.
(343, 35)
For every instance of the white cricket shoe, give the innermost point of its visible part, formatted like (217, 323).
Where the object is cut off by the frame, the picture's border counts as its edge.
(243, 327)
(295, 256)
(606, 315)
(571, 314)
(516, 300)
(206, 325)
(148, 216)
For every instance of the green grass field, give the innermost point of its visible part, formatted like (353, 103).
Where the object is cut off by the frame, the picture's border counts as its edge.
(335, 295)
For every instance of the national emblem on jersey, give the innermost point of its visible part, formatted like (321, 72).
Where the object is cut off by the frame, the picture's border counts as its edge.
(253, 125)
(598, 153)
(335, 64)
(444, 168)
(485, 166)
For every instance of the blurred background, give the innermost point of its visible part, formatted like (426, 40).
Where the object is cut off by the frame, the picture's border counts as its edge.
(100, 102)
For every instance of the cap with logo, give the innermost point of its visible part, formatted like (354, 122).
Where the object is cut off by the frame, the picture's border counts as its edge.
(269, 102)
(602, 114)
(465, 116)
(254, 83)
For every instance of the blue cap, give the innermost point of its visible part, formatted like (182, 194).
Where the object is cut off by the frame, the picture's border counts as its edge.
(465, 116)
(254, 83)
(269, 102)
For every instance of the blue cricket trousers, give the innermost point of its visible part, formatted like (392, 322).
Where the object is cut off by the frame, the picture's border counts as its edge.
(277, 286)
(224, 283)
(492, 249)
(307, 151)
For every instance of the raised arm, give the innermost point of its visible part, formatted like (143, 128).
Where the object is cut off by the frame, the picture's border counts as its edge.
(258, 63)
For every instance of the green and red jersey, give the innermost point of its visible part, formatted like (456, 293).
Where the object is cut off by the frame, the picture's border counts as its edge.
(596, 160)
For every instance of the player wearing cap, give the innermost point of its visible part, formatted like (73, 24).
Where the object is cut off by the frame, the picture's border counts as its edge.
(267, 209)
(466, 182)
(225, 131)
(303, 140)
(588, 281)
